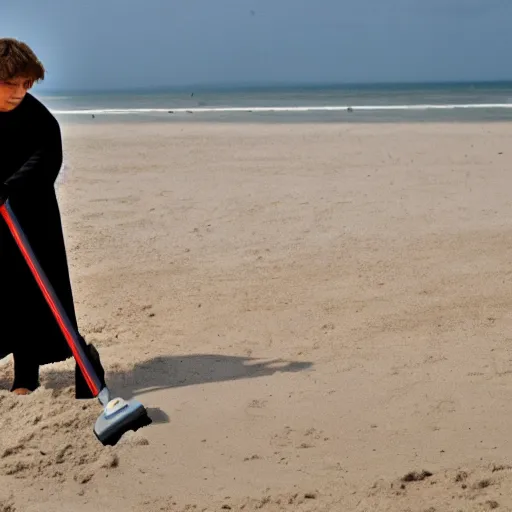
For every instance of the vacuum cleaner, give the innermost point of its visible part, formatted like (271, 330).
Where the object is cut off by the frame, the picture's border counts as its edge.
(119, 415)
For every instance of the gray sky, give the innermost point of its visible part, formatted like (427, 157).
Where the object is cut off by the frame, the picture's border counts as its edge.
(154, 43)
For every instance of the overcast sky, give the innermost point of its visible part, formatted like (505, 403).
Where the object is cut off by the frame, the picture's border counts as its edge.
(154, 43)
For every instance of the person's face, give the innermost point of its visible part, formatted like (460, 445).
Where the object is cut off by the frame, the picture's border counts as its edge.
(12, 92)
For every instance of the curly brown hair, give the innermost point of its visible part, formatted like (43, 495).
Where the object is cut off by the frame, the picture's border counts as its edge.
(18, 60)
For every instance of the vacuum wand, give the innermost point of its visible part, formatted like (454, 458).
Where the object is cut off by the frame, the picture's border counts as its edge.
(53, 301)
(119, 415)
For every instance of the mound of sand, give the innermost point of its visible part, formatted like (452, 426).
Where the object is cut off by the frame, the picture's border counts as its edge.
(49, 435)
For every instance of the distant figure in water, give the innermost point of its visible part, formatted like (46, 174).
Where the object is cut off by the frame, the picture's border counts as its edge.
(30, 162)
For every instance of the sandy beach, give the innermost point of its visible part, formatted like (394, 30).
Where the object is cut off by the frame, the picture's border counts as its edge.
(318, 317)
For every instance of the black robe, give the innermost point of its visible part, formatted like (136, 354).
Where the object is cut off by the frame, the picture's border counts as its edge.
(30, 161)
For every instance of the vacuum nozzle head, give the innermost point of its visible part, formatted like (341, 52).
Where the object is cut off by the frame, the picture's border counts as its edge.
(118, 417)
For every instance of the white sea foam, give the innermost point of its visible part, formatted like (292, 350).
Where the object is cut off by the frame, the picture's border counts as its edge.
(340, 108)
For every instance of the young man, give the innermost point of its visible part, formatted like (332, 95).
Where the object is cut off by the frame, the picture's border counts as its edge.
(30, 161)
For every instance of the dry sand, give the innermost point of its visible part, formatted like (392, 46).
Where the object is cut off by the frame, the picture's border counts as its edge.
(317, 316)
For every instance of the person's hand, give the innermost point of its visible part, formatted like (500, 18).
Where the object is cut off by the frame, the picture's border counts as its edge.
(4, 193)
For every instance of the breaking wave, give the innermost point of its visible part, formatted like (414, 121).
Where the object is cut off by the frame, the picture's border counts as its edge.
(340, 108)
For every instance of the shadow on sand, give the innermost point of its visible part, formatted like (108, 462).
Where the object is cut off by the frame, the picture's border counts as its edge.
(178, 371)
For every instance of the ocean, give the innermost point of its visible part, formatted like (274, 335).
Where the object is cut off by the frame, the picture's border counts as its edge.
(466, 102)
